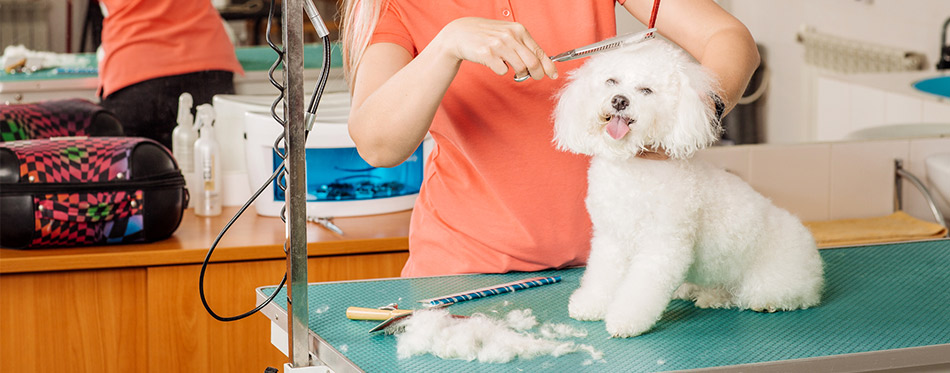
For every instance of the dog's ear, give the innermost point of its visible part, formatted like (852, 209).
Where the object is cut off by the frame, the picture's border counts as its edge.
(696, 125)
(569, 117)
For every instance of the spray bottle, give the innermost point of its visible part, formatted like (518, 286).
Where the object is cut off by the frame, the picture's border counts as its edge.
(207, 165)
(184, 135)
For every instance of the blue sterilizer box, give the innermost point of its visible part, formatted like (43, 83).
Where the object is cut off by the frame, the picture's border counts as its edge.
(339, 181)
(348, 177)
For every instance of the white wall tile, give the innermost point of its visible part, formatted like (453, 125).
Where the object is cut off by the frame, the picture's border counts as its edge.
(862, 177)
(936, 112)
(734, 159)
(833, 109)
(900, 108)
(795, 177)
(867, 107)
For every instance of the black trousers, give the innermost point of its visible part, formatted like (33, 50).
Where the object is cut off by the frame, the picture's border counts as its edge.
(150, 108)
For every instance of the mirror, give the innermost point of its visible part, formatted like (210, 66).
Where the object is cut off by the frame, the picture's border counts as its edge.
(837, 94)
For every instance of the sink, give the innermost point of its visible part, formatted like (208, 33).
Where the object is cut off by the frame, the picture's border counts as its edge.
(939, 86)
(902, 131)
(938, 172)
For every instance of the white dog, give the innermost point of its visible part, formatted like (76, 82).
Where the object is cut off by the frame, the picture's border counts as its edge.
(678, 227)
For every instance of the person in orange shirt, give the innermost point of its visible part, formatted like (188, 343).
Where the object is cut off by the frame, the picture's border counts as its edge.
(154, 50)
(496, 195)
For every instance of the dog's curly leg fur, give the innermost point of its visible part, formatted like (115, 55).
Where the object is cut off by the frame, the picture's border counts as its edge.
(598, 285)
(652, 276)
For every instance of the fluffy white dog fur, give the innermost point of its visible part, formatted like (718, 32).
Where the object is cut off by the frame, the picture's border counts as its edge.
(677, 228)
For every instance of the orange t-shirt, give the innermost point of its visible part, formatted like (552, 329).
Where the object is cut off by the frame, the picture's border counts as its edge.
(496, 195)
(147, 39)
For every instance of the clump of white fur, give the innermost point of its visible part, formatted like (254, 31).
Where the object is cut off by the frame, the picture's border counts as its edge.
(485, 339)
(675, 228)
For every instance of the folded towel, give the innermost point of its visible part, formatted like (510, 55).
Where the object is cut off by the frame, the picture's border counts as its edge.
(891, 228)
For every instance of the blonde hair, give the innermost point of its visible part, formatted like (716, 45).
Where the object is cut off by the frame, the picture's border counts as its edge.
(359, 19)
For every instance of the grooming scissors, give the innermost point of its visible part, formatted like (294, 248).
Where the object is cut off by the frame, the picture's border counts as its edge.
(598, 47)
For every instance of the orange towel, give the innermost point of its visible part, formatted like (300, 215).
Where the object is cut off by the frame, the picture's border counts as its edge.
(891, 228)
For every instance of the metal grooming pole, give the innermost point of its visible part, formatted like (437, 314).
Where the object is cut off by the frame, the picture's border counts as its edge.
(298, 320)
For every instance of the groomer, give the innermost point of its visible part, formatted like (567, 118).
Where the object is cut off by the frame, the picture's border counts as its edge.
(496, 195)
(154, 51)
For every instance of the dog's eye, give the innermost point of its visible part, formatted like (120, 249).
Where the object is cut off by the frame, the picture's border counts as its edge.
(646, 91)
(611, 81)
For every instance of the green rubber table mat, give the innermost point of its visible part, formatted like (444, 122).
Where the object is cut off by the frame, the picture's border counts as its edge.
(261, 58)
(258, 58)
(876, 298)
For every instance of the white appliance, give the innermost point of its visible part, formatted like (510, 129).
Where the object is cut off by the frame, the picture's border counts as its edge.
(229, 133)
(339, 182)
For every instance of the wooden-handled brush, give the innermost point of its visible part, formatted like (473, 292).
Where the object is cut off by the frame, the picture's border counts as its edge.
(362, 313)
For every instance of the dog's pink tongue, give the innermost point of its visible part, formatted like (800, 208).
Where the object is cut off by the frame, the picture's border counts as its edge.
(617, 127)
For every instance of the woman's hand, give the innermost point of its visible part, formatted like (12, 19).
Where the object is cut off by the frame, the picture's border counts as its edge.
(499, 45)
(388, 122)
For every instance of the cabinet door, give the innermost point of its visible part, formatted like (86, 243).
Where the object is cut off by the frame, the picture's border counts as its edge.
(183, 337)
(76, 321)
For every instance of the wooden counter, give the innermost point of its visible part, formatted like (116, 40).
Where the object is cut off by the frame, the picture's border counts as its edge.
(252, 237)
(136, 307)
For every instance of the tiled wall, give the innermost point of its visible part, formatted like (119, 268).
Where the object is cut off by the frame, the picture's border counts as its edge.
(825, 181)
(789, 105)
(845, 104)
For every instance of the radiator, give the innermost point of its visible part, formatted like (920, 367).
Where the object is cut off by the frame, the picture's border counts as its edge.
(837, 102)
(849, 56)
(26, 23)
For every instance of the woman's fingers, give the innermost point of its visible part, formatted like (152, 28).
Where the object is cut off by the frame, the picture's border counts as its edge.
(540, 64)
(527, 58)
(530, 62)
(504, 47)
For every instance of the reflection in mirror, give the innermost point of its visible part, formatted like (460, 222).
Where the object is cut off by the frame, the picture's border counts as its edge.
(836, 70)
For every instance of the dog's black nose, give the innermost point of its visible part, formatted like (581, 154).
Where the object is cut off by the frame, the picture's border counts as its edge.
(619, 102)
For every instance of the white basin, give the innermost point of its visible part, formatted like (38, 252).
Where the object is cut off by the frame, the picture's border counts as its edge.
(938, 173)
(902, 131)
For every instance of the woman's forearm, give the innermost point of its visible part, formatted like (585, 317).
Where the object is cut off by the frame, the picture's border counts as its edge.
(733, 63)
(719, 41)
(392, 110)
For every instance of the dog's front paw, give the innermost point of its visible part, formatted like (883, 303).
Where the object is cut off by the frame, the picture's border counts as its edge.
(630, 317)
(627, 325)
(587, 306)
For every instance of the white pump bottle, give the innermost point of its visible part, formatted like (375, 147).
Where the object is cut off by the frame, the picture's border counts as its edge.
(184, 135)
(207, 194)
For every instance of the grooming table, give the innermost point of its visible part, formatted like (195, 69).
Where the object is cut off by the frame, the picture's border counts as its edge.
(884, 306)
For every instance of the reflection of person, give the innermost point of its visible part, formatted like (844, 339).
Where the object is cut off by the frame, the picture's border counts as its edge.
(154, 51)
(497, 196)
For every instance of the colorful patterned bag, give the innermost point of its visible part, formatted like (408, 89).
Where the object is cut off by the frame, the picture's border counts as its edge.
(54, 118)
(77, 191)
